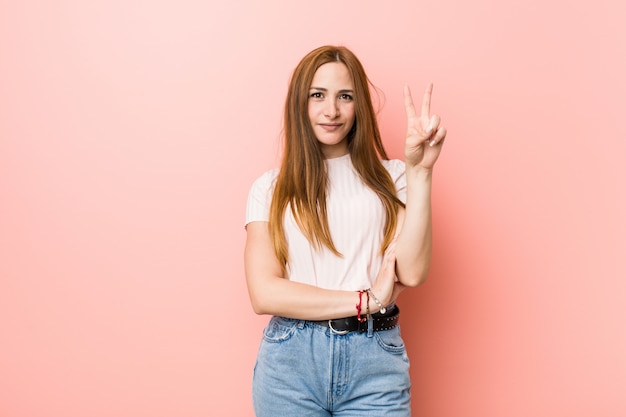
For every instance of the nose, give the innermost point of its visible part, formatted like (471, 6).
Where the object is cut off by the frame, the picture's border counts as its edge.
(331, 109)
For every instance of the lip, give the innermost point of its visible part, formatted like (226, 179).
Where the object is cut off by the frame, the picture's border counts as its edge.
(330, 127)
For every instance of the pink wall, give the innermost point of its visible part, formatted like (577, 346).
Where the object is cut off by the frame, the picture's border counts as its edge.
(130, 132)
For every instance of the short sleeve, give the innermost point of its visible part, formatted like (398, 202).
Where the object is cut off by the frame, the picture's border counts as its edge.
(260, 198)
(397, 170)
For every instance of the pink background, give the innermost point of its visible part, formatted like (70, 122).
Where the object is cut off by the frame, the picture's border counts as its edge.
(130, 132)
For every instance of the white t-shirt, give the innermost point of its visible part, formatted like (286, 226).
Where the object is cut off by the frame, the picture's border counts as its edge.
(356, 218)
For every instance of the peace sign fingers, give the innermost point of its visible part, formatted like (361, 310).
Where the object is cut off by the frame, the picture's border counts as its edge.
(421, 124)
(424, 132)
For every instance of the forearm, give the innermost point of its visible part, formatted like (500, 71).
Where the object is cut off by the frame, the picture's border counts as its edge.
(414, 242)
(282, 297)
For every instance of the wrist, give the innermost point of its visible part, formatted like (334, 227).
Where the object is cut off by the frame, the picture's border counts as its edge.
(379, 305)
(366, 304)
(418, 172)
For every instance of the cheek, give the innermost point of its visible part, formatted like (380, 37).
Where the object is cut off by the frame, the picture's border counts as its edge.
(311, 111)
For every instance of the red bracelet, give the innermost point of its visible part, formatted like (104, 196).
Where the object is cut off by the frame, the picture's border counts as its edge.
(358, 308)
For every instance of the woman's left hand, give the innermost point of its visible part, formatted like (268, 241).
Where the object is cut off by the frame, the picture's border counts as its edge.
(425, 135)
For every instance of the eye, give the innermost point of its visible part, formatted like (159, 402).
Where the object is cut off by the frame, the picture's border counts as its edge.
(346, 97)
(316, 94)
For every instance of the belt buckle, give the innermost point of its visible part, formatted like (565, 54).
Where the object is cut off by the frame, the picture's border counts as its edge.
(339, 332)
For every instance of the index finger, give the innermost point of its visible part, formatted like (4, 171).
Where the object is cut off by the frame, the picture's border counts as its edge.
(426, 100)
(408, 103)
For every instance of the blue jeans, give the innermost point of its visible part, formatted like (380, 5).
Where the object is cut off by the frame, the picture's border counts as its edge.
(305, 369)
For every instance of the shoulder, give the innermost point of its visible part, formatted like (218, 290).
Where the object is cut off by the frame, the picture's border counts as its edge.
(395, 167)
(397, 171)
(260, 197)
(265, 181)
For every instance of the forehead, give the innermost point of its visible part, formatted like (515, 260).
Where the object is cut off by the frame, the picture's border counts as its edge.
(332, 74)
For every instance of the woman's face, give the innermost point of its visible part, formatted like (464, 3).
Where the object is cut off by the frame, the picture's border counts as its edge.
(331, 108)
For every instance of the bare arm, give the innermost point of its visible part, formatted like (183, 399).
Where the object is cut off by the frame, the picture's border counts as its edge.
(271, 293)
(423, 145)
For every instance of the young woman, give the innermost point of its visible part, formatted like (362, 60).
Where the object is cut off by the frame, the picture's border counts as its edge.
(333, 237)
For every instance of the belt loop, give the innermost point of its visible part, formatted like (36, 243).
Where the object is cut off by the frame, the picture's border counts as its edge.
(370, 326)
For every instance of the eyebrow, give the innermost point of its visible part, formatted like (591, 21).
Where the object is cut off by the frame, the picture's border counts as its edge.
(326, 90)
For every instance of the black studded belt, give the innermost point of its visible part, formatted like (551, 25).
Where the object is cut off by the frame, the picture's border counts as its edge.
(386, 321)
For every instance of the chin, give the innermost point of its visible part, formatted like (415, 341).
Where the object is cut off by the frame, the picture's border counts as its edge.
(330, 140)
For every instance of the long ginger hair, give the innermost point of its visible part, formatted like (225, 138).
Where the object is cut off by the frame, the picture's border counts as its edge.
(302, 180)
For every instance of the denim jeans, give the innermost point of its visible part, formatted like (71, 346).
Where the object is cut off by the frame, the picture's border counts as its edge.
(305, 369)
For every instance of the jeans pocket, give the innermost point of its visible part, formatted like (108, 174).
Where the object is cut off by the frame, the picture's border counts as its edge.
(390, 340)
(279, 329)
